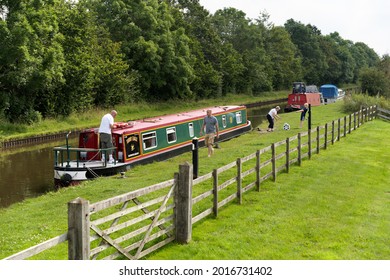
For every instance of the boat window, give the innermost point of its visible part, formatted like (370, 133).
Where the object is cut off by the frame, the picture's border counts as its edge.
(171, 134)
(238, 117)
(149, 140)
(224, 121)
(191, 129)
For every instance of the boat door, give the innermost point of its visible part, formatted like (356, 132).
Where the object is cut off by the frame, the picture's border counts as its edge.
(131, 145)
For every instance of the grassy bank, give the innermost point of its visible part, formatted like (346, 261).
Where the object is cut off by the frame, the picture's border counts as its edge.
(336, 206)
(126, 112)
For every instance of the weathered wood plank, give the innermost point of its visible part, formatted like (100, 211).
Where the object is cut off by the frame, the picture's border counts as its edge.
(203, 178)
(39, 248)
(202, 196)
(248, 172)
(247, 158)
(226, 167)
(134, 220)
(202, 215)
(249, 186)
(128, 210)
(101, 205)
(227, 200)
(227, 183)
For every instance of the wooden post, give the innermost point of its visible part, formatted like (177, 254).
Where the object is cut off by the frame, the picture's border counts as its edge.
(299, 149)
(258, 178)
(366, 114)
(332, 132)
(78, 229)
(349, 123)
(239, 180)
(273, 161)
(309, 142)
(287, 154)
(345, 126)
(369, 113)
(215, 191)
(183, 204)
(354, 121)
(318, 140)
(338, 129)
(326, 136)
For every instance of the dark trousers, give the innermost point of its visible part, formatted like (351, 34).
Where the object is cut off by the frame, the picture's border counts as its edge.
(271, 121)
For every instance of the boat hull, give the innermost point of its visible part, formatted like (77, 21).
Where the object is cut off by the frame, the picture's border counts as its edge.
(297, 100)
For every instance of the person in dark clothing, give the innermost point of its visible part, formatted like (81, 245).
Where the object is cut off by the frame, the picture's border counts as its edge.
(303, 113)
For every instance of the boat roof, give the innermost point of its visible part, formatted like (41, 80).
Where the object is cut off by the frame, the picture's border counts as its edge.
(170, 119)
(328, 86)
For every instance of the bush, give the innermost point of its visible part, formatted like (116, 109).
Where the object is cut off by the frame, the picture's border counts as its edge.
(354, 102)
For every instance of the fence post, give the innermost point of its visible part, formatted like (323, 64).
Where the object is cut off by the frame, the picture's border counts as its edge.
(183, 204)
(332, 132)
(287, 154)
(369, 113)
(326, 136)
(345, 126)
(350, 123)
(309, 142)
(273, 161)
(258, 178)
(338, 129)
(195, 156)
(318, 140)
(215, 191)
(239, 180)
(299, 149)
(366, 114)
(354, 121)
(78, 229)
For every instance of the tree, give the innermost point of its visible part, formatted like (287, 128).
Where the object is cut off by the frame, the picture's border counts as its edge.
(157, 51)
(306, 38)
(286, 64)
(31, 57)
(374, 82)
(205, 47)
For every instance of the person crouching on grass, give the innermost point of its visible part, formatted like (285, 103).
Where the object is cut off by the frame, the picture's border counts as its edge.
(271, 117)
(212, 131)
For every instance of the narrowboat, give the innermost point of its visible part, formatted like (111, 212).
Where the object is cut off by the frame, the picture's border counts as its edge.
(302, 94)
(142, 141)
(331, 93)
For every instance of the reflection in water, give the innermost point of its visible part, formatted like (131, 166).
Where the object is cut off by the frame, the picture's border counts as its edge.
(28, 171)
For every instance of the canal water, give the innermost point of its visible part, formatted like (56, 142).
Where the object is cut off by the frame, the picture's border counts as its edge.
(28, 171)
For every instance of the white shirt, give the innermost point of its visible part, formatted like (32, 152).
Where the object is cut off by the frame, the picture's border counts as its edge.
(273, 113)
(105, 124)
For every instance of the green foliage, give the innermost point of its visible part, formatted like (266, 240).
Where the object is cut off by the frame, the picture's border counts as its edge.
(374, 82)
(58, 57)
(353, 103)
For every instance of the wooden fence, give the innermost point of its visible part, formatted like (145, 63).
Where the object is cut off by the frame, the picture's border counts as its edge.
(383, 114)
(137, 223)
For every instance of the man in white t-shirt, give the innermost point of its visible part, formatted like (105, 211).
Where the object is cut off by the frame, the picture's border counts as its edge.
(105, 136)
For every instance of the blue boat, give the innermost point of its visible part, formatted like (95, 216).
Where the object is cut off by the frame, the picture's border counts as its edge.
(331, 93)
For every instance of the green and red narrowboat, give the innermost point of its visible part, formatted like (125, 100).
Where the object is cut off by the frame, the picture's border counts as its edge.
(142, 141)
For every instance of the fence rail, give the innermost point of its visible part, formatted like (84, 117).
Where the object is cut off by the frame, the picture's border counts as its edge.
(137, 223)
